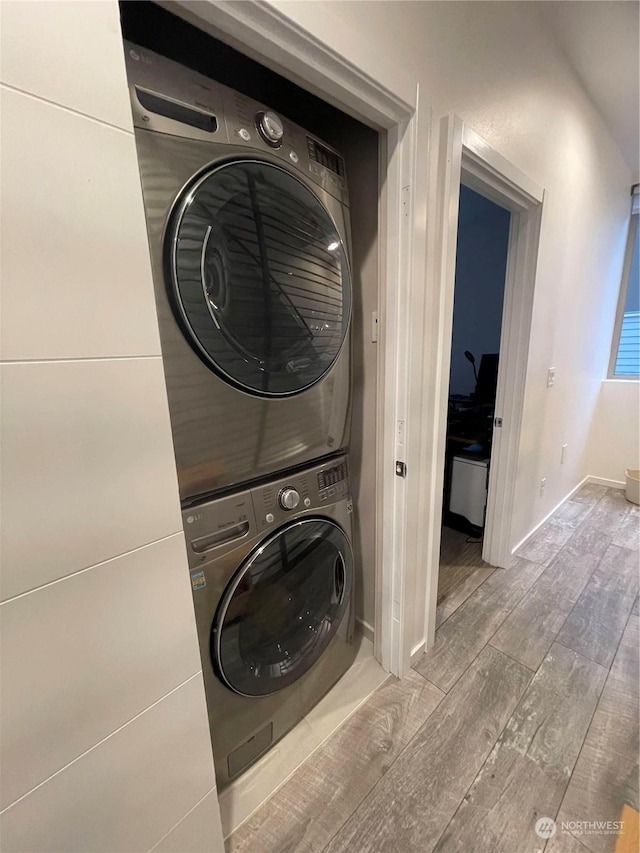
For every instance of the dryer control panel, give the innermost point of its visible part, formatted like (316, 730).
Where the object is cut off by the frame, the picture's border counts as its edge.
(167, 97)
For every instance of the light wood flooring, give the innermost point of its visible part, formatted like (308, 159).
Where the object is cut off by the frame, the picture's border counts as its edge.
(462, 570)
(525, 707)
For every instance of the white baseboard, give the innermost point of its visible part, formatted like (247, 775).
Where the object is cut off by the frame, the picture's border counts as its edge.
(602, 481)
(599, 481)
(366, 629)
(417, 652)
(549, 514)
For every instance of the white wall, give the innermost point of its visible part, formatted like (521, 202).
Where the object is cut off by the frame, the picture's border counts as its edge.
(495, 65)
(614, 439)
(105, 742)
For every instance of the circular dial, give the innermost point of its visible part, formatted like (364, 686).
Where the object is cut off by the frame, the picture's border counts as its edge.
(289, 499)
(271, 128)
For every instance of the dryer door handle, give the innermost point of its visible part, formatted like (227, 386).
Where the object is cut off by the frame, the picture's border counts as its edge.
(220, 537)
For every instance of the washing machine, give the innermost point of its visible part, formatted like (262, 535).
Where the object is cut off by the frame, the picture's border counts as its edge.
(248, 225)
(272, 575)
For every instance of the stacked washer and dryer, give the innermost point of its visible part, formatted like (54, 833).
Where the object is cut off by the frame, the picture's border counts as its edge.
(248, 225)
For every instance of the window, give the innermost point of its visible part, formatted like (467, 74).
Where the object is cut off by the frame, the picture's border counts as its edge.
(625, 357)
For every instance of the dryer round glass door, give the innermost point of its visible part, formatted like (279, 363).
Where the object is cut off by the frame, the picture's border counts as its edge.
(282, 607)
(260, 277)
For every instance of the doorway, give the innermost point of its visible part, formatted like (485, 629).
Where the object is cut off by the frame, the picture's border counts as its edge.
(481, 266)
(464, 158)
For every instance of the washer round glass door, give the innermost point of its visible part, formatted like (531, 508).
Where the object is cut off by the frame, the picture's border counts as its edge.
(260, 277)
(282, 607)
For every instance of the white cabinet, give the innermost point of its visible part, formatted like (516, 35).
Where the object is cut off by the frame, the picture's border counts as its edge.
(468, 496)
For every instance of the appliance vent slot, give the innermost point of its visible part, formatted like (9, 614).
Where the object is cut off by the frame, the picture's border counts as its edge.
(250, 750)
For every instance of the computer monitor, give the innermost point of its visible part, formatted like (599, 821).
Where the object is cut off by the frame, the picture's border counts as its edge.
(487, 379)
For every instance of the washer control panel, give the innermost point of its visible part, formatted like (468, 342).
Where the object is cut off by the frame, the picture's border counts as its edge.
(333, 482)
(312, 490)
(222, 524)
(219, 525)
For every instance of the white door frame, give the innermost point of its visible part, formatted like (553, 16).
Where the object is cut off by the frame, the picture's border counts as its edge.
(464, 157)
(331, 64)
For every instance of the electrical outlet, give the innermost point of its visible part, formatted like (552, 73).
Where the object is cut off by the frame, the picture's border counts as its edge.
(551, 377)
(563, 453)
(543, 485)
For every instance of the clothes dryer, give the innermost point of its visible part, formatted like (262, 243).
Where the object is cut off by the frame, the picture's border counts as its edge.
(248, 225)
(272, 575)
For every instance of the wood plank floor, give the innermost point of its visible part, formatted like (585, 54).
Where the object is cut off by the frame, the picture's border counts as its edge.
(525, 707)
(462, 571)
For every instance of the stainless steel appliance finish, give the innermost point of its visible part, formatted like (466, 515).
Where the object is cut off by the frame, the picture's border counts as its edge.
(273, 596)
(248, 225)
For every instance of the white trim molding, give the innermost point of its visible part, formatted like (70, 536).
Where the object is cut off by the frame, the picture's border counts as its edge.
(417, 652)
(622, 297)
(464, 157)
(567, 497)
(365, 629)
(445, 164)
(497, 173)
(610, 484)
(268, 32)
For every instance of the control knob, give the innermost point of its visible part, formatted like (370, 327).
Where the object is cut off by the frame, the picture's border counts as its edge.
(289, 499)
(270, 128)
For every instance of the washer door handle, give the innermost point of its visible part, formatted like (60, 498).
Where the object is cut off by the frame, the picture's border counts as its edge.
(212, 540)
(339, 576)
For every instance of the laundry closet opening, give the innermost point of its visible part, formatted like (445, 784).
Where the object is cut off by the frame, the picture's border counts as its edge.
(481, 264)
(153, 27)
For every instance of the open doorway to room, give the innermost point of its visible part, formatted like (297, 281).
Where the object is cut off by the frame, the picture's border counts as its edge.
(468, 160)
(481, 265)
